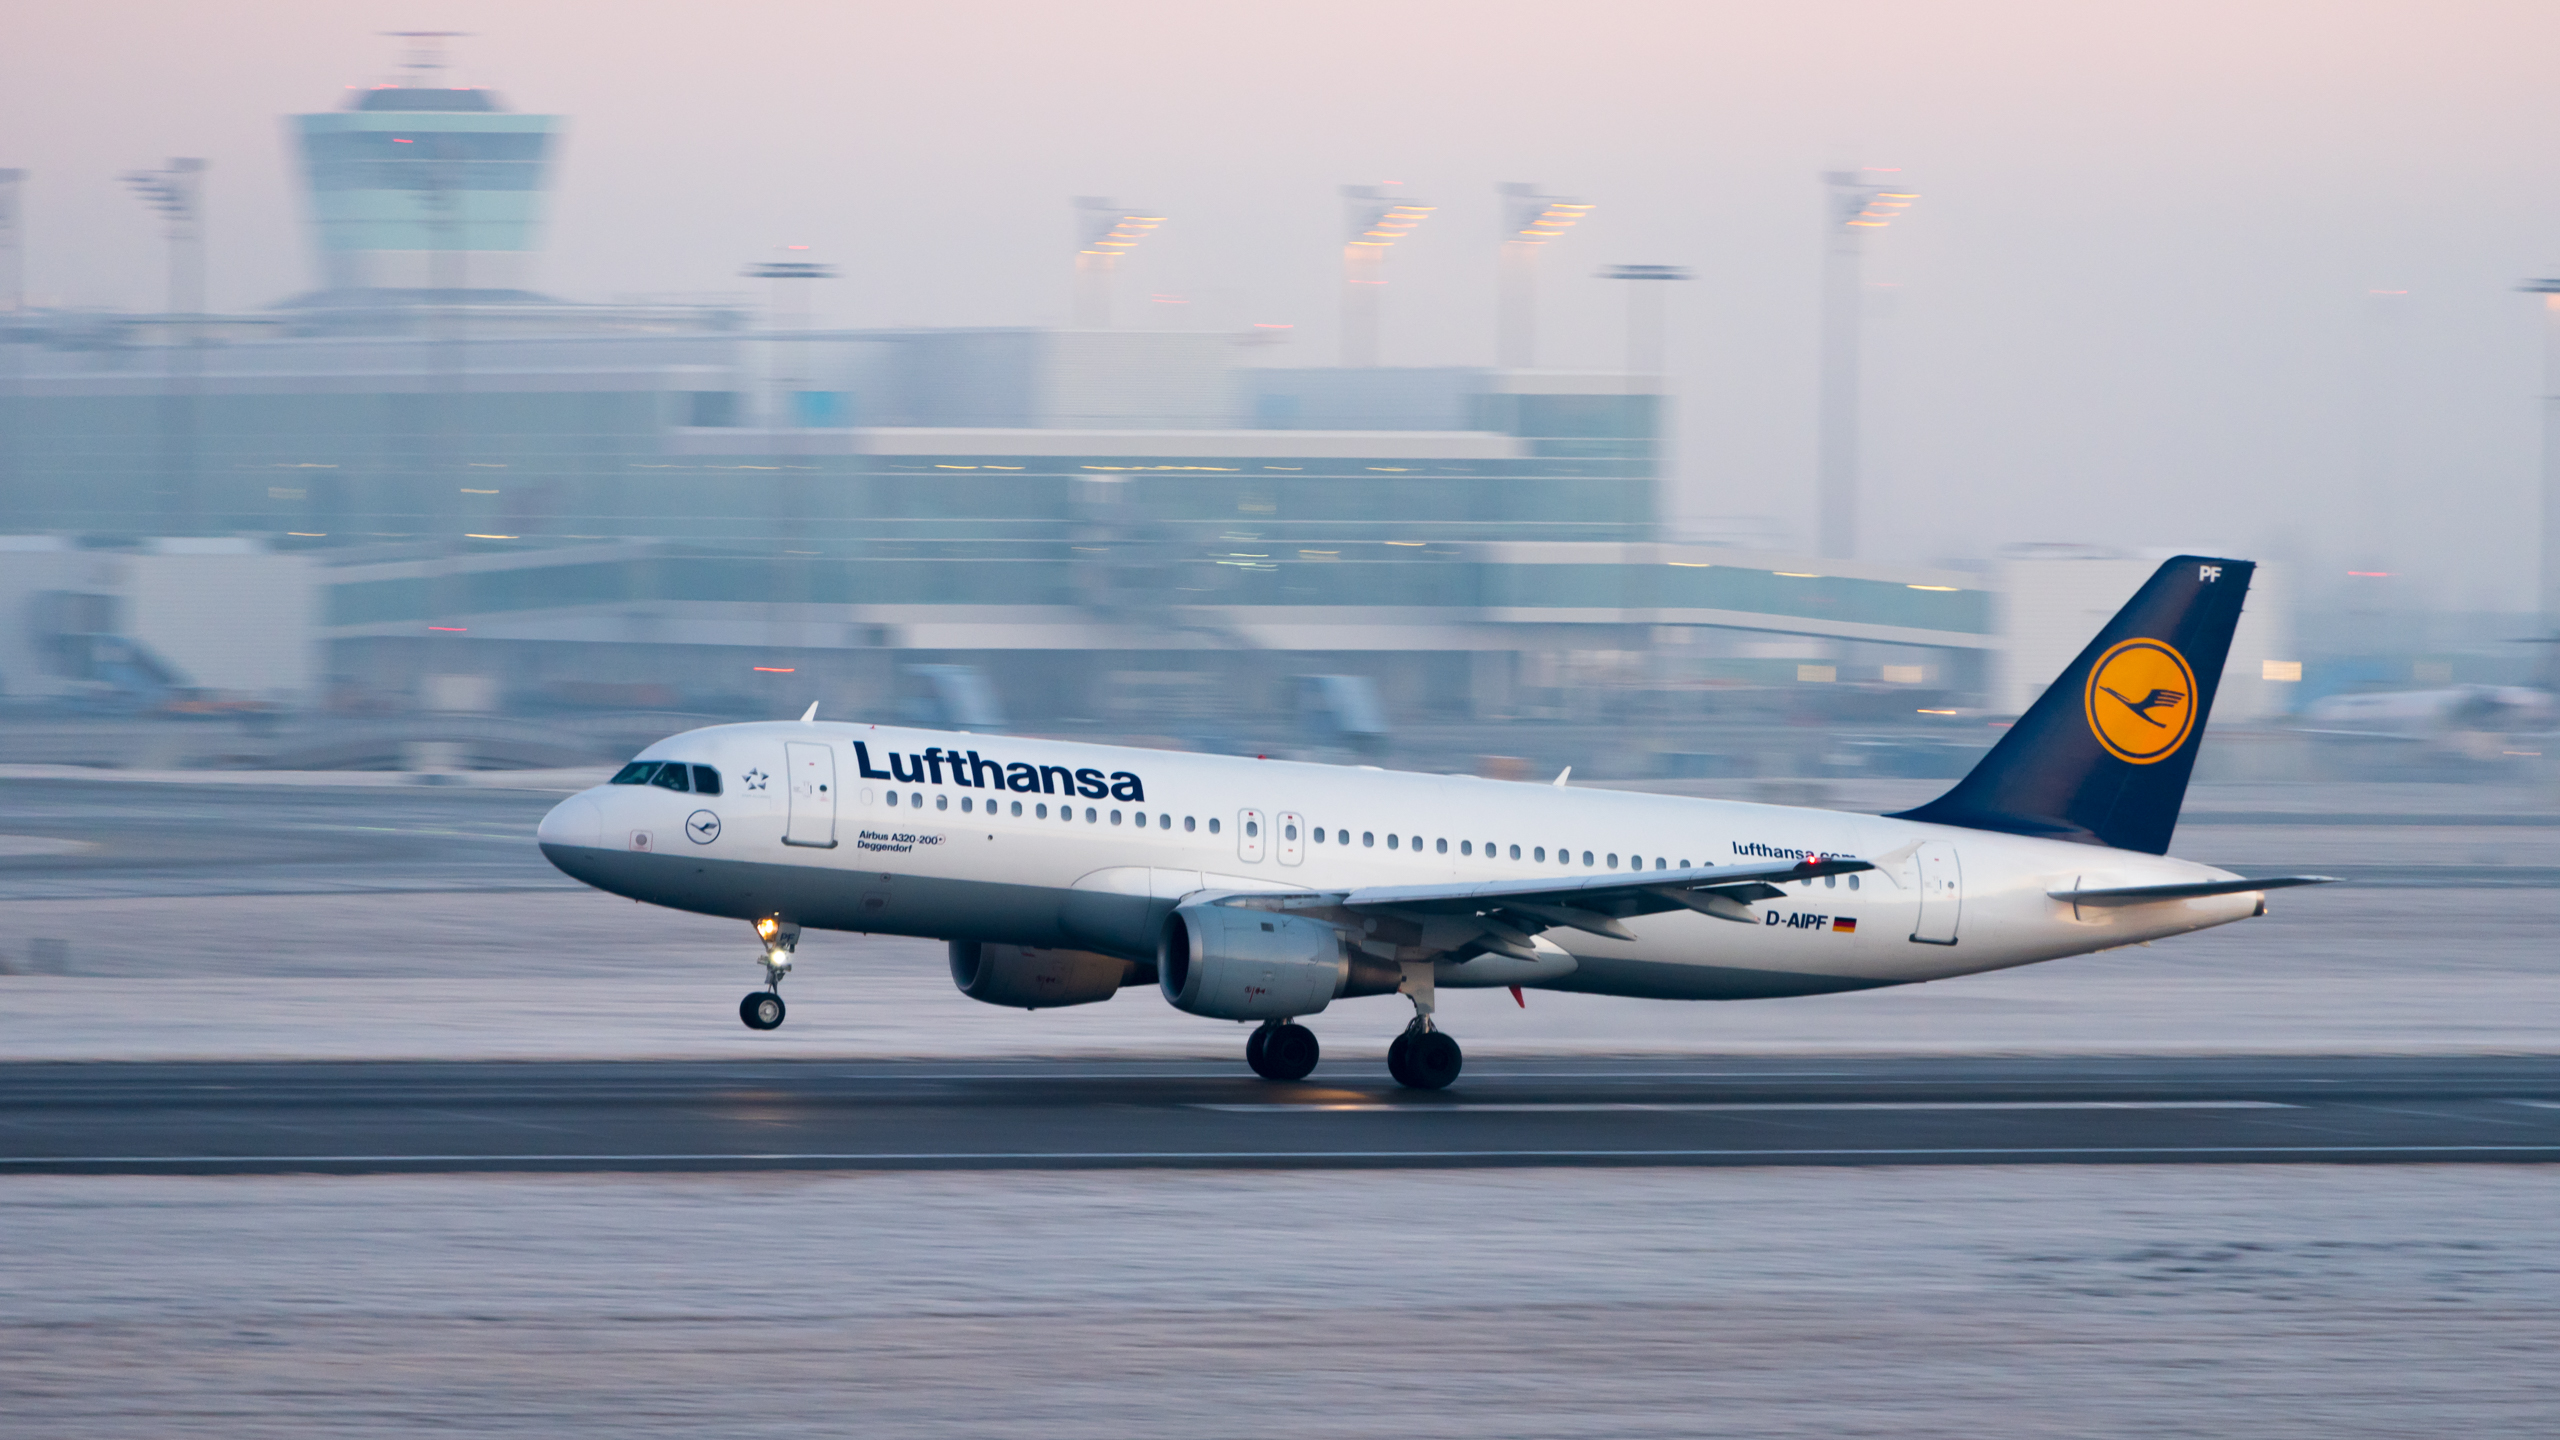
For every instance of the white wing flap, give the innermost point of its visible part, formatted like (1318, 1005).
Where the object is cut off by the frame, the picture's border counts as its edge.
(1607, 893)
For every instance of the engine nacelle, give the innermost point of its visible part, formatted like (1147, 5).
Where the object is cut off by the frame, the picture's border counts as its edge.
(1232, 962)
(1028, 979)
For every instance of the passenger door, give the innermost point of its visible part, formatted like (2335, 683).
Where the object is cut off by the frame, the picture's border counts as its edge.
(812, 768)
(1941, 894)
(1293, 848)
(1249, 835)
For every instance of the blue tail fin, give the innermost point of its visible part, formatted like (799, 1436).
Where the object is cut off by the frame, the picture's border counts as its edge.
(2103, 755)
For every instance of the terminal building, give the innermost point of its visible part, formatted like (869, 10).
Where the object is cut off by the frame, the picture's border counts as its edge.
(691, 504)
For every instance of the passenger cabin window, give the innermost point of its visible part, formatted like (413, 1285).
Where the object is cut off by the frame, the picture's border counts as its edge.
(1441, 846)
(1394, 842)
(1213, 824)
(1190, 823)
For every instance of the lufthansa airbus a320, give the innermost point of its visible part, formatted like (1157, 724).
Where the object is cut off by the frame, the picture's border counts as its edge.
(1256, 890)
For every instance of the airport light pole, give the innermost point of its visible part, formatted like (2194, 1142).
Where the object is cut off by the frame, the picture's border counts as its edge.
(1529, 221)
(794, 588)
(1853, 204)
(13, 290)
(1378, 220)
(791, 280)
(2549, 597)
(1645, 354)
(1105, 232)
(13, 271)
(176, 193)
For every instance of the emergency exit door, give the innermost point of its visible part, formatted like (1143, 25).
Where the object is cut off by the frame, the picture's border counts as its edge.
(1941, 894)
(811, 796)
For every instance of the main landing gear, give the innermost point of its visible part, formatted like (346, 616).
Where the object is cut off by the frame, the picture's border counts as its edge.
(1423, 1058)
(1282, 1050)
(763, 1009)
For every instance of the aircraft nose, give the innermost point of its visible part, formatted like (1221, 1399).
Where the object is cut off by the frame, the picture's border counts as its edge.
(574, 821)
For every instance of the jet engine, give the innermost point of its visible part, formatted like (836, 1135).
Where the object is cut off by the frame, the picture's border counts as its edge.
(1233, 962)
(1017, 975)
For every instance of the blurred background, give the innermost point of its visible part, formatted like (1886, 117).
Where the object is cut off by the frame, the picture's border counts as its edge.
(510, 394)
(410, 410)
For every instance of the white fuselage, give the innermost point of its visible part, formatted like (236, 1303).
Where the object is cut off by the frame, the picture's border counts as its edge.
(800, 830)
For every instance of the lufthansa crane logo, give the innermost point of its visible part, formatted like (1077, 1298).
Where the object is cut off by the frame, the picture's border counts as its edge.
(2141, 701)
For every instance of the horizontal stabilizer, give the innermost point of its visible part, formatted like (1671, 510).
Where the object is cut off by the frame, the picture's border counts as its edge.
(2197, 890)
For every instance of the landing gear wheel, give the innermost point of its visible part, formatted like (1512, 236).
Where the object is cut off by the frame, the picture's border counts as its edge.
(1425, 1061)
(1290, 1053)
(762, 1010)
(1284, 1051)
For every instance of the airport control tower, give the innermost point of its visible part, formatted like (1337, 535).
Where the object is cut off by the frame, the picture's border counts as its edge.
(420, 185)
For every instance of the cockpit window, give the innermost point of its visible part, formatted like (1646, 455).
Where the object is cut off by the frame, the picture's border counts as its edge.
(638, 772)
(706, 781)
(671, 776)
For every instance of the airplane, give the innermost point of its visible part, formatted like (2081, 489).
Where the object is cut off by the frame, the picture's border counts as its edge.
(1060, 873)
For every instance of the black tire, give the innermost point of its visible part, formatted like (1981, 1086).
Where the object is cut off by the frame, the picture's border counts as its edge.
(1257, 1047)
(1432, 1061)
(761, 1010)
(1291, 1053)
(1400, 1050)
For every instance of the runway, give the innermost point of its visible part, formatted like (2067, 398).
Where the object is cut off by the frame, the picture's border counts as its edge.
(359, 1118)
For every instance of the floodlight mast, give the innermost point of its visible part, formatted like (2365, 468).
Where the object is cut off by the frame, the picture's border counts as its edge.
(1645, 350)
(1379, 217)
(1105, 231)
(1529, 220)
(2549, 598)
(788, 327)
(1854, 203)
(176, 193)
(13, 290)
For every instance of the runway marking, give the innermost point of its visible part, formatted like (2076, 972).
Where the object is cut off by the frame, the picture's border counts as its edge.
(2538, 1104)
(1577, 1107)
(886, 1157)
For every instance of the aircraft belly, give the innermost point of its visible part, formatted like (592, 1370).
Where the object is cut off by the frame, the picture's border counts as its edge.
(1691, 980)
(823, 897)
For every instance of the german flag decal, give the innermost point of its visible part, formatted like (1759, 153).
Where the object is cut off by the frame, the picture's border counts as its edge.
(1843, 925)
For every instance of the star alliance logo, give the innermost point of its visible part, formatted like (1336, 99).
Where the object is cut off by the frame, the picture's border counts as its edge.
(755, 779)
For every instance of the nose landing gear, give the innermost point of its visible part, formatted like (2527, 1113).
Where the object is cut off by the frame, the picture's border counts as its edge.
(763, 1009)
(1282, 1050)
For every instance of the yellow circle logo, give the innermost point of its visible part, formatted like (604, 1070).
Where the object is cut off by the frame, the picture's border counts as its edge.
(2141, 701)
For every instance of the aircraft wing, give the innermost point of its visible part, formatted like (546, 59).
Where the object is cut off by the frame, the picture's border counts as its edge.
(1501, 915)
(1640, 889)
(2144, 894)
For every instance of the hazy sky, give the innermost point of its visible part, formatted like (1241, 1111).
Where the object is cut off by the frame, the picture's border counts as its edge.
(2135, 305)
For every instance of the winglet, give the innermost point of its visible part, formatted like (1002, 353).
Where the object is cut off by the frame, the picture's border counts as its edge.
(810, 715)
(1560, 776)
